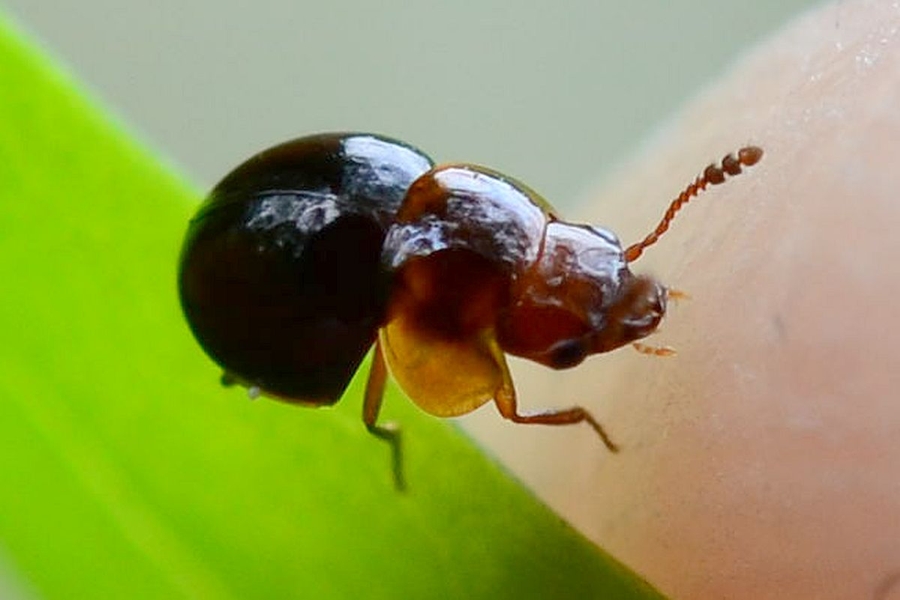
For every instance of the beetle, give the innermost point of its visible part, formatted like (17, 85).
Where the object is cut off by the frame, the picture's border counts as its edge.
(310, 253)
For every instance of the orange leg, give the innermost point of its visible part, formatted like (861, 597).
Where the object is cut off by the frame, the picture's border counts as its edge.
(676, 295)
(390, 433)
(653, 350)
(505, 399)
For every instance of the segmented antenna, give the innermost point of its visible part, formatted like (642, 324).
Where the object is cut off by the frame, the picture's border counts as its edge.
(712, 175)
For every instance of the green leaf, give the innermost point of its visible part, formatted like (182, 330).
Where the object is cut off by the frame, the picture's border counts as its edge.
(129, 473)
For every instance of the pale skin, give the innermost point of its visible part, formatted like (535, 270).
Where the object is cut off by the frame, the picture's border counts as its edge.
(763, 459)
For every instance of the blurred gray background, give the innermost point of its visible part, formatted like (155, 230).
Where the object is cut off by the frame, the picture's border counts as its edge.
(553, 94)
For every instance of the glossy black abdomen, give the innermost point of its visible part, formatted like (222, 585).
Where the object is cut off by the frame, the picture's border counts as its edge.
(280, 274)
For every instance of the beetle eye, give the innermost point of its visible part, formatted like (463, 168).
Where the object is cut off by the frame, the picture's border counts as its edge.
(567, 353)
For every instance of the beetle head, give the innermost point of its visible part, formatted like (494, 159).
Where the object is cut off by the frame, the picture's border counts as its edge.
(578, 298)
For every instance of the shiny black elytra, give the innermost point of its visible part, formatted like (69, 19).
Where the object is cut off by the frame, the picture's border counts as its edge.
(280, 272)
(310, 252)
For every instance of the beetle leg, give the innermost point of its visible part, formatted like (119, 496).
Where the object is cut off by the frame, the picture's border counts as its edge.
(506, 404)
(505, 399)
(676, 295)
(653, 350)
(389, 432)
